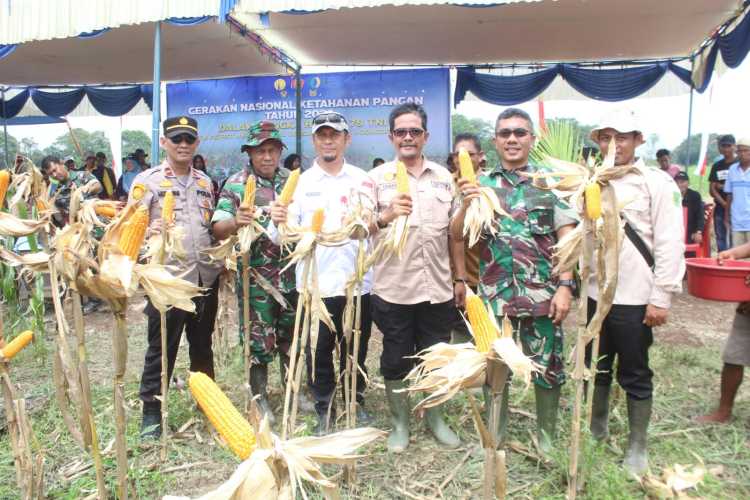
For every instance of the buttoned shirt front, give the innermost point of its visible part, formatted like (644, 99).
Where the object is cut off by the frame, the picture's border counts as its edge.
(423, 272)
(653, 208)
(337, 195)
(738, 185)
(193, 209)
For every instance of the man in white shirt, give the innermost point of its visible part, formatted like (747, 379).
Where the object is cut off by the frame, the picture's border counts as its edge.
(651, 268)
(337, 187)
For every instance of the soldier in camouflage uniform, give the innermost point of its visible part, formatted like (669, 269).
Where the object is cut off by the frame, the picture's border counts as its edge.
(515, 266)
(271, 324)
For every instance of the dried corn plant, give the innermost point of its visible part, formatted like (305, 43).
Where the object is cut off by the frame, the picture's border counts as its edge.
(273, 467)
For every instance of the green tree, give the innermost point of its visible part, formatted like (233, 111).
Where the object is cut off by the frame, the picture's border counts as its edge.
(134, 139)
(683, 156)
(484, 129)
(12, 150)
(29, 148)
(89, 141)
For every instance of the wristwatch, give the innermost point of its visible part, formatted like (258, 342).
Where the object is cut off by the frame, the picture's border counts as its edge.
(459, 280)
(569, 283)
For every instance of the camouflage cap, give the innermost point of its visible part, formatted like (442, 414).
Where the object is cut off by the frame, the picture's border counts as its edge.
(261, 132)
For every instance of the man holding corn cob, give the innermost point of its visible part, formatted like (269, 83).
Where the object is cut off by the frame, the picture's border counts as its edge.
(651, 268)
(193, 197)
(271, 324)
(338, 188)
(515, 267)
(412, 302)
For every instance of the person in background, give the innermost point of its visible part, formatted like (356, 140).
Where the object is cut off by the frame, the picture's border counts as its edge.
(716, 179)
(199, 163)
(694, 203)
(70, 164)
(140, 156)
(89, 161)
(737, 189)
(106, 176)
(665, 163)
(292, 162)
(377, 162)
(130, 168)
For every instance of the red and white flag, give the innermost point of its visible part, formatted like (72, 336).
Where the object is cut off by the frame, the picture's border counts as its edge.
(700, 169)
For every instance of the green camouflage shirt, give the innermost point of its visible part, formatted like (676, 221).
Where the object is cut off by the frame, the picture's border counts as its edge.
(64, 190)
(515, 265)
(265, 255)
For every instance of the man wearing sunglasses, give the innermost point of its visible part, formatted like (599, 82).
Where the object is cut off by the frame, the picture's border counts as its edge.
(338, 187)
(271, 322)
(412, 301)
(193, 195)
(515, 268)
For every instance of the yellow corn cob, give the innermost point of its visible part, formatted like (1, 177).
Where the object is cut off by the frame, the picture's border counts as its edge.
(167, 209)
(249, 199)
(15, 345)
(402, 179)
(4, 183)
(317, 220)
(593, 197)
(41, 205)
(106, 211)
(228, 422)
(466, 167)
(484, 331)
(133, 233)
(287, 193)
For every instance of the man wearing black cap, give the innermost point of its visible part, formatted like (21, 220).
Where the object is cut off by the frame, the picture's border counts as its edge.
(694, 203)
(717, 177)
(106, 177)
(140, 156)
(194, 205)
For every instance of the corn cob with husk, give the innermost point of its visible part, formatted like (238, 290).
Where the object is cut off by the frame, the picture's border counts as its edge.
(398, 233)
(480, 215)
(481, 326)
(28, 187)
(4, 184)
(14, 346)
(248, 234)
(133, 234)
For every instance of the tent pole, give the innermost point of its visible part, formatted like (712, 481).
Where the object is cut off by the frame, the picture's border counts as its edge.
(5, 133)
(156, 97)
(298, 113)
(690, 123)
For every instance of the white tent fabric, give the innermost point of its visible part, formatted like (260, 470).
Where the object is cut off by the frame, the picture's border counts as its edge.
(445, 33)
(28, 20)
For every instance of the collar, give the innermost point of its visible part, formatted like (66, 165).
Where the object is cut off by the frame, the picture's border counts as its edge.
(277, 174)
(318, 174)
(511, 176)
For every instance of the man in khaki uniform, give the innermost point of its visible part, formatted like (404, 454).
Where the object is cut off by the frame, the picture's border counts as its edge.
(412, 295)
(194, 205)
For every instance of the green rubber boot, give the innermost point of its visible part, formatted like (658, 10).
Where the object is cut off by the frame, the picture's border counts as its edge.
(440, 429)
(547, 403)
(258, 383)
(398, 403)
(639, 415)
(600, 412)
(502, 423)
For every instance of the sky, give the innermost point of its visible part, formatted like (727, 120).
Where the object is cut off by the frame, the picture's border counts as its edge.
(724, 109)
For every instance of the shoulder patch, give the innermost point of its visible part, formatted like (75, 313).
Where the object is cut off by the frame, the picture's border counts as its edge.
(203, 183)
(165, 183)
(138, 191)
(389, 176)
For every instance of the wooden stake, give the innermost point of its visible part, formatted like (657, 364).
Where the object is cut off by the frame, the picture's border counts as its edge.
(245, 277)
(120, 357)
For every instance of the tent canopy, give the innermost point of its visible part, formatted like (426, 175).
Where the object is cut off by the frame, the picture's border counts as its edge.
(354, 32)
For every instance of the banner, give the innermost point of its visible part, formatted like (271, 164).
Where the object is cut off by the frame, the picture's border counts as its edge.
(225, 109)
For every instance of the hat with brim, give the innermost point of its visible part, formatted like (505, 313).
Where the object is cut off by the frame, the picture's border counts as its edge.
(261, 132)
(177, 125)
(330, 119)
(744, 141)
(681, 176)
(622, 121)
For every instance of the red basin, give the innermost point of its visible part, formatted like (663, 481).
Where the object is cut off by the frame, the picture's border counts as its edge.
(708, 280)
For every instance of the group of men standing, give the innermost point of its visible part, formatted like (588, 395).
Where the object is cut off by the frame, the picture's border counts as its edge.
(412, 298)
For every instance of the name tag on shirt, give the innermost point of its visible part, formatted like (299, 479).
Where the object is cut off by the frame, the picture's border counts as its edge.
(722, 175)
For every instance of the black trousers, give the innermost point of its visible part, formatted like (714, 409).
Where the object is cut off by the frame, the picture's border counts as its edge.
(324, 383)
(624, 335)
(408, 329)
(198, 326)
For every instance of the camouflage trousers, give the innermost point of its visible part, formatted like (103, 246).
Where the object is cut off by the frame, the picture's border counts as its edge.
(271, 326)
(542, 341)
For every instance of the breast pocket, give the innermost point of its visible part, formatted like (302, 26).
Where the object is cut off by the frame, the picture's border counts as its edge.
(440, 207)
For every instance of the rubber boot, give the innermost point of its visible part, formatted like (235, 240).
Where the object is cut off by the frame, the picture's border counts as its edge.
(502, 423)
(600, 412)
(398, 403)
(258, 382)
(639, 415)
(304, 403)
(151, 423)
(547, 404)
(440, 429)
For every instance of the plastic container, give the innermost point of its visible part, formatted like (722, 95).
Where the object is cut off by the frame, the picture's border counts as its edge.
(708, 280)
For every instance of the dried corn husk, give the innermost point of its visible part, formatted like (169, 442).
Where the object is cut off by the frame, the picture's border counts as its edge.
(164, 290)
(10, 225)
(509, 353)
(480, 216)
(88, 214)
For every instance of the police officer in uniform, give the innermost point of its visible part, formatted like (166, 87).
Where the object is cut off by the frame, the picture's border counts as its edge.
(194, 205)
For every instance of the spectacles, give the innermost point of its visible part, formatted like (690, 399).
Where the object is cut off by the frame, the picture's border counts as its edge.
(403, 132)
(179, 139)
(328, 118)
(505, 133)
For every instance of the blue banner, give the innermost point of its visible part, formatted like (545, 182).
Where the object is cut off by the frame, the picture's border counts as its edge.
(225, 109)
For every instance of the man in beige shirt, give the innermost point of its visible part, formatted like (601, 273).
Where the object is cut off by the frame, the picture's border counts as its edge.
(412, 295)
(647, 278)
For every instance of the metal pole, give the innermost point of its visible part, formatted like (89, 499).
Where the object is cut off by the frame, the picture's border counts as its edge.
(156, 97)
(5, 133)
(690, 124)
(298, 113)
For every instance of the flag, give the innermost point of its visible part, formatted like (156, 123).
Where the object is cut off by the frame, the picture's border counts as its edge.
(542, 121)
(700, 168)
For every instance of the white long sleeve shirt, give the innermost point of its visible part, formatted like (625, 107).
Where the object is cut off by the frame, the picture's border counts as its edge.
(655, 212)
(336, 195)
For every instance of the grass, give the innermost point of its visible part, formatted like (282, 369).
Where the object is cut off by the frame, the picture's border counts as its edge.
(687, 378)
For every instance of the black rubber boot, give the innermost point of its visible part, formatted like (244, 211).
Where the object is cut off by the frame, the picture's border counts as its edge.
(151, 422)
(398, 403)
(547, 403)
(304, 403)
(600, 412)
(258, 383)
(639, 416)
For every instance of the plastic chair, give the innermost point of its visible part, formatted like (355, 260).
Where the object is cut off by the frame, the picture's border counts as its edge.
(704, 248)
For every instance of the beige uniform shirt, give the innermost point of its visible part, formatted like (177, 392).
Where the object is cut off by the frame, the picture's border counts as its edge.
(423, 273)
(654, 210)
(194, 206)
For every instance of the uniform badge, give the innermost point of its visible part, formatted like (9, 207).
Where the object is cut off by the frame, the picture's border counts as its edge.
(203, 183)
(183, 121)
(138, 191)
(206, 216)
(165, 184)
(389, 176)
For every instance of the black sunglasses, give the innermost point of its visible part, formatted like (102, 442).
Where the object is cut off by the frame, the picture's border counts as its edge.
(505, 133)
(328, 118)
(178, 139)
(402, 132)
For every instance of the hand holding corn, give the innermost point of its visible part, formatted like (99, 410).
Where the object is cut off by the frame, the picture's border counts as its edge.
(400, 205)
(244, 216)
(279, 213)
(469, 191)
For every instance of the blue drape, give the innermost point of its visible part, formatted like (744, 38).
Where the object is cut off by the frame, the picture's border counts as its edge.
(6, 50)
(502, 90)
(13, 106)
(612, 84)
(57, 103)
(107, 101)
